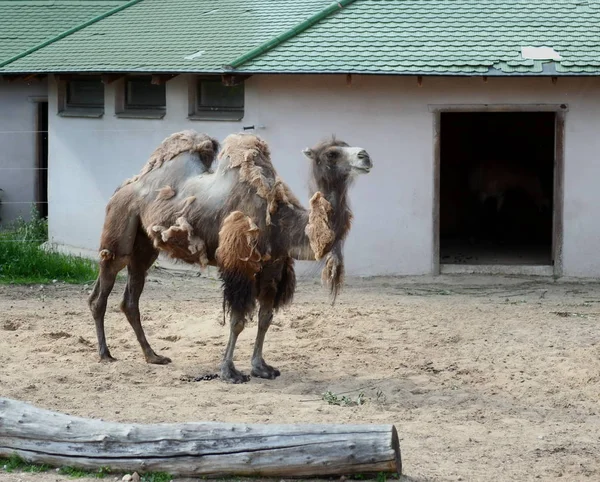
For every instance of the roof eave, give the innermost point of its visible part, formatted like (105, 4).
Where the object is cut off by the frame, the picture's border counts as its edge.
(297, 72)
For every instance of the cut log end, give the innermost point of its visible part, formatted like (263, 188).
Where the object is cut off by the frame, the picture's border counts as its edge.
(396, 449)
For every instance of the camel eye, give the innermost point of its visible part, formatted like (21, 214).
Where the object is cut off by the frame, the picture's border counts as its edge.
(331, 155)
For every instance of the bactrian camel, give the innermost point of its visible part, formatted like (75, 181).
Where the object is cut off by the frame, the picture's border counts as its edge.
(237, 215)
(493, 179)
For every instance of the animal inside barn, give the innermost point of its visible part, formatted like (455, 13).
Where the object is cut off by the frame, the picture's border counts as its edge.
(497, 188)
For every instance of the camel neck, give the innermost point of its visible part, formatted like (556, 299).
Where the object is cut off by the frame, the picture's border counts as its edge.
(337, 197)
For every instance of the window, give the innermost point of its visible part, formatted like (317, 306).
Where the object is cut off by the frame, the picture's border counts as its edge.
(140, 98)
(212, 100)
(81, 97)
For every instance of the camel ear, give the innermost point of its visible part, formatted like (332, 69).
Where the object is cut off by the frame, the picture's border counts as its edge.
(308, 153)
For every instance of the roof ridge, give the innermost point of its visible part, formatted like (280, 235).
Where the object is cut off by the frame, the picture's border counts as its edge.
(68, 32)
(288, 34)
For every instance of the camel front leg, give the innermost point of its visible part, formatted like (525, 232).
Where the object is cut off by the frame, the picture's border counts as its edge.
(260, 369)
(228, 370)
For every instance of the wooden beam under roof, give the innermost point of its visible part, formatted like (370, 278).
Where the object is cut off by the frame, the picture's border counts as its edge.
(160, 79)
(231, 80)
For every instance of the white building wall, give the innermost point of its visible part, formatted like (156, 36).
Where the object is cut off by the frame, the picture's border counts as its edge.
(18, 146)
(388, 116)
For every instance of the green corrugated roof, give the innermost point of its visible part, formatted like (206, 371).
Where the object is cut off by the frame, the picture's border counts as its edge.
(27, 23)
(443, 37)
(452, 37)
(171, 35)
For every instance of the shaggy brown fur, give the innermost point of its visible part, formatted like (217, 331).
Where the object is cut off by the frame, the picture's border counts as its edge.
(318, 230)
(240, 217)
(239, 261)
(237, 250)
(286, 285)
(252, 157)
(180, 235)
(333, 273)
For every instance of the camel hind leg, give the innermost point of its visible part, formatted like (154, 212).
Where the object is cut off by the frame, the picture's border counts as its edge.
(143, 256)
(109, 268)
(116, 243)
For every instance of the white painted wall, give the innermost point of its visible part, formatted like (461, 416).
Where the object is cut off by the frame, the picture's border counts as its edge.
(18, 146)
(388, 116)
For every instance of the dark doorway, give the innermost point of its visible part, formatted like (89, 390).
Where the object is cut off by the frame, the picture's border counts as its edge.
(497, 187)
(42, 159)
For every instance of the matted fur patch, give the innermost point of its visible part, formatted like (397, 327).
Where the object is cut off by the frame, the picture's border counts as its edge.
(319, 233)
(180, 234)
(252, 157)
(165, 193)
(172, 146)
(238, 239)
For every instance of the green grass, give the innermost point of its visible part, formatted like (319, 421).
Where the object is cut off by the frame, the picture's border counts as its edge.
(77, 473)
(156, 477)
(22, 261)
(334, 399)
(379, 477)
(16, 464)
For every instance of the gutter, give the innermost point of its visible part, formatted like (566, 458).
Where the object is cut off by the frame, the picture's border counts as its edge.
(69, 32)
(270, 44)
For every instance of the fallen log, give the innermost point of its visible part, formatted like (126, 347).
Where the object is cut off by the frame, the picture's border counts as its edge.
(199, 448)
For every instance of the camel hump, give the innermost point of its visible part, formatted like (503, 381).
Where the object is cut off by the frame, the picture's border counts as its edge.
(243, 148)
(251, 156)
(178, 143)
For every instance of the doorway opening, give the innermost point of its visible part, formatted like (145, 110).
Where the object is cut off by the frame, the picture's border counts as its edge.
(497, 188)
(41, 194)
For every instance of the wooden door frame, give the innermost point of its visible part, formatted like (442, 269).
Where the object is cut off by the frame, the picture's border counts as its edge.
(560, 111)
(39, 101)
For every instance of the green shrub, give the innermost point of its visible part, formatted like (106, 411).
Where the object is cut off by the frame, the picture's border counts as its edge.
(22, 260)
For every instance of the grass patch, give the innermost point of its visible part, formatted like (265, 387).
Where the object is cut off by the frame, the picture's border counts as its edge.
(77, 473)
(333, 399)
(156, 477)
(22, 260)
(16, 463)
(379, 477)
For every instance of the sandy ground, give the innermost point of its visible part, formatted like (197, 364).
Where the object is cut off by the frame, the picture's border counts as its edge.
(486, 378)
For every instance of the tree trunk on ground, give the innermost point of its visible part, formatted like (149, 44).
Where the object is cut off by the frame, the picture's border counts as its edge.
(197, 449)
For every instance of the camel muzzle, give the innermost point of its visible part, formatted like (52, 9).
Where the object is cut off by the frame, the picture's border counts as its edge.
(363, 162)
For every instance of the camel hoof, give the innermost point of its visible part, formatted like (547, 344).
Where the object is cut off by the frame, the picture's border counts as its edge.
(265, 371)
(230, 375)
(158, 359)
(107, 358)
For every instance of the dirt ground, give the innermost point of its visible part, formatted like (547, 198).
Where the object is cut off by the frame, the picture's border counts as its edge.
(486, 378)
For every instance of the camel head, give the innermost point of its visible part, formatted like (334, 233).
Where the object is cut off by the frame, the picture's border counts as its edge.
(334, 161)
(335, 164)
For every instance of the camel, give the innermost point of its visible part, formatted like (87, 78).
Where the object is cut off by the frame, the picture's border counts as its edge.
(231, 211)
(492, 179)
